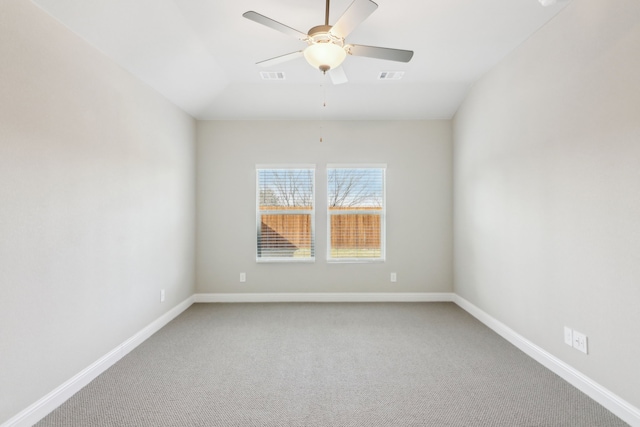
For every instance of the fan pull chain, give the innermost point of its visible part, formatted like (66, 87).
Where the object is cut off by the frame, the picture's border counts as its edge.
(324, 105)
(324, 93)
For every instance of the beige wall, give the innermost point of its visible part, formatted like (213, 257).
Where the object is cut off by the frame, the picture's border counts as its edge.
(547, 190)
(97, 205)
(419, 221)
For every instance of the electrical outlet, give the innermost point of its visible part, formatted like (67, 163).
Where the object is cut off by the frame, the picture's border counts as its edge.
(394, 277)
(568, 336)
(580, 341)
(162, 295)
(243, 277)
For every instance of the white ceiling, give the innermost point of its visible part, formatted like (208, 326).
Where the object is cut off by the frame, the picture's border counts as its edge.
(201, 54)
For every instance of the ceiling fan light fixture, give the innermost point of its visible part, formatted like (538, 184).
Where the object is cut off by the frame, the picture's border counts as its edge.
(326, 48)
(324, 56)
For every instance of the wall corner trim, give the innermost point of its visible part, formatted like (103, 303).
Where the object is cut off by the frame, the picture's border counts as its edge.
(325, 297)
(621, 408)
(58, 396)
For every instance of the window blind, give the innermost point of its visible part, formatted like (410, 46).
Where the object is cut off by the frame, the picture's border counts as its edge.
(285, 214)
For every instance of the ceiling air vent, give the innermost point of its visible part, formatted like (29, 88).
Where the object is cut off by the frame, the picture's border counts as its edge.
(390, 75)
(272, 75)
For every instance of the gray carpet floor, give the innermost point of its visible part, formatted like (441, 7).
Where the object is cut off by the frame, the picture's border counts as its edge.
(326, 364)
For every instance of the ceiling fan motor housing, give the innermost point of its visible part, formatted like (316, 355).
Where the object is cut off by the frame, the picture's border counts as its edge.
(319, 29)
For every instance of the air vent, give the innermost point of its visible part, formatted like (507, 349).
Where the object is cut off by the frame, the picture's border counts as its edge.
(272, 75)
(390, 75)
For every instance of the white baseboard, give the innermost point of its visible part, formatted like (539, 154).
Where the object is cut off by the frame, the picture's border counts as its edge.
(328, 297)
(57, 397)
(606, 398)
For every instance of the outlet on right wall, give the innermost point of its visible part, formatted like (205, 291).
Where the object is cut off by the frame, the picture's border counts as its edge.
(547, 190)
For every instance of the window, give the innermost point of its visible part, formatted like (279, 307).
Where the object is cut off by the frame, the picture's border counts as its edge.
(356, 213)
(285, 213)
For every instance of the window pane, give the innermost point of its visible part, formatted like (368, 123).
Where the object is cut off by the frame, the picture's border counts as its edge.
(355, 236)
(355, 187)
(285, 235)
(285, 188)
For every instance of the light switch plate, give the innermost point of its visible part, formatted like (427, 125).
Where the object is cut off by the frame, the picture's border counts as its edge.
(568, 336)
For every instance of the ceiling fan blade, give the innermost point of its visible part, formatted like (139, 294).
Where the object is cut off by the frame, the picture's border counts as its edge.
(338, 76)
(261, 19)
(280, 59)
(380, 52)
(357, 12)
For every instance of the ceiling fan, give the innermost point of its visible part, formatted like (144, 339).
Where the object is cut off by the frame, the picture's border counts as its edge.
(326, 48)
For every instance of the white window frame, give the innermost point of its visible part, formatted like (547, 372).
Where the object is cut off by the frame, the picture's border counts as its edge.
(382, 213)
(311, 212)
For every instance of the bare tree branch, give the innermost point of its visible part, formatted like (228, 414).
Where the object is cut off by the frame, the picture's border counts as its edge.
(286, 187)
(349, 188)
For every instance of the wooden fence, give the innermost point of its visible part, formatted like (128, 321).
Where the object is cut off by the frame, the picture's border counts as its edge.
(282, 231)
(348, 231)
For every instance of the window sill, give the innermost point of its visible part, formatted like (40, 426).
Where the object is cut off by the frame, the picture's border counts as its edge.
(285, 260)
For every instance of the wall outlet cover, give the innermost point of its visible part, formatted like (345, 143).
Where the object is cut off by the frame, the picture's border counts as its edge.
(580, 341)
